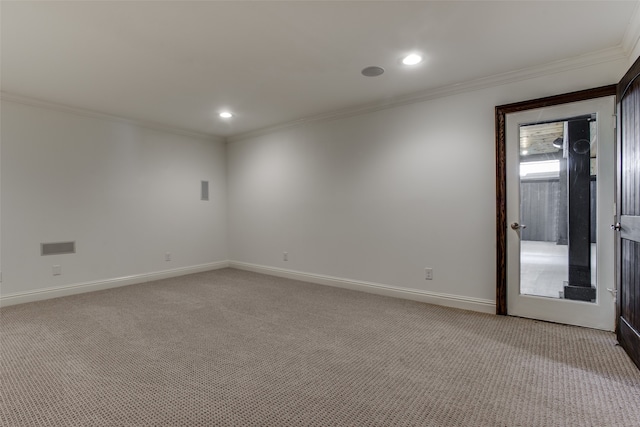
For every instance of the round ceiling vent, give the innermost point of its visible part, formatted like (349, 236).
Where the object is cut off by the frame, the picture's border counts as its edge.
(372, 71)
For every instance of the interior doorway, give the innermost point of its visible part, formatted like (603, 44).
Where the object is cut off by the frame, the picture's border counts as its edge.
(555, 249)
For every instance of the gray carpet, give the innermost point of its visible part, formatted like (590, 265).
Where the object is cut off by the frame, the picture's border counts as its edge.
(229, 347)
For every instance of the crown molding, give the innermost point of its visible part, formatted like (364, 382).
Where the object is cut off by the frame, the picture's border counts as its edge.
(599, 57)
(632, 32)
(25, 100)
(594, 58)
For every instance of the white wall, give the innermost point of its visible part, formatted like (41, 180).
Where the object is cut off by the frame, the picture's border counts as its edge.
(126, 194)
(378, 197)
(634, 55)
(371, 198)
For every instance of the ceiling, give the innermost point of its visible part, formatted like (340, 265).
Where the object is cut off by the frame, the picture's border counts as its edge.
(180, 63)
(539, 138)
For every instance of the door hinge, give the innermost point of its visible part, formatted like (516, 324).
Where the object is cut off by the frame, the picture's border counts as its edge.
(615, 121)
(614, 293)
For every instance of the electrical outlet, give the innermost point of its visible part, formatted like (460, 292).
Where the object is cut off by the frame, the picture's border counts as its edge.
(167, 256)
(56, 270)
(285, 256)
(428, 273)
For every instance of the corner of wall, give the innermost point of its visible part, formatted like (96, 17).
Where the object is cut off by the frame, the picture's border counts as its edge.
(127, 192)
(631, 38)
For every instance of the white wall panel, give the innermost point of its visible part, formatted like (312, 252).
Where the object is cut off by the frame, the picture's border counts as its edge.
(380, 196)
(126, 195)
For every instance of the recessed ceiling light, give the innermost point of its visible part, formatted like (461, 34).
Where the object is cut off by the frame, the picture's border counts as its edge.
(412, 59)
(226, 115)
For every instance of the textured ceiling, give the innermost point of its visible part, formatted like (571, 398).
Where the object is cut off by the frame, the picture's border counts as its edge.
(538, 139)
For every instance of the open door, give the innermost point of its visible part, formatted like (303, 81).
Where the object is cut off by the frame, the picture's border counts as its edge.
(628, 225)
(560, 189)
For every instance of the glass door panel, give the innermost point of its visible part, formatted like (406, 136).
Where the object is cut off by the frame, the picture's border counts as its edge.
(557, 165)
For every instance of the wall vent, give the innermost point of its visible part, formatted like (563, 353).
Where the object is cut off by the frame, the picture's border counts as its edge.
(204, 190)
(57, 248)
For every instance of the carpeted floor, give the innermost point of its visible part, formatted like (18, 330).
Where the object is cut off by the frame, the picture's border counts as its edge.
(229, 347)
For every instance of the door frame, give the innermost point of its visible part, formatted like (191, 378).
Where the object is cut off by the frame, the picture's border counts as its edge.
(501, 112)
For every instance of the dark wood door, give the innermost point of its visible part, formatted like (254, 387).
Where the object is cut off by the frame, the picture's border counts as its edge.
(628, 324)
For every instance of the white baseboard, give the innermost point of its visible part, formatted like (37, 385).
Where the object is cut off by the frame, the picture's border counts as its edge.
(456, 301)
(78, 288)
